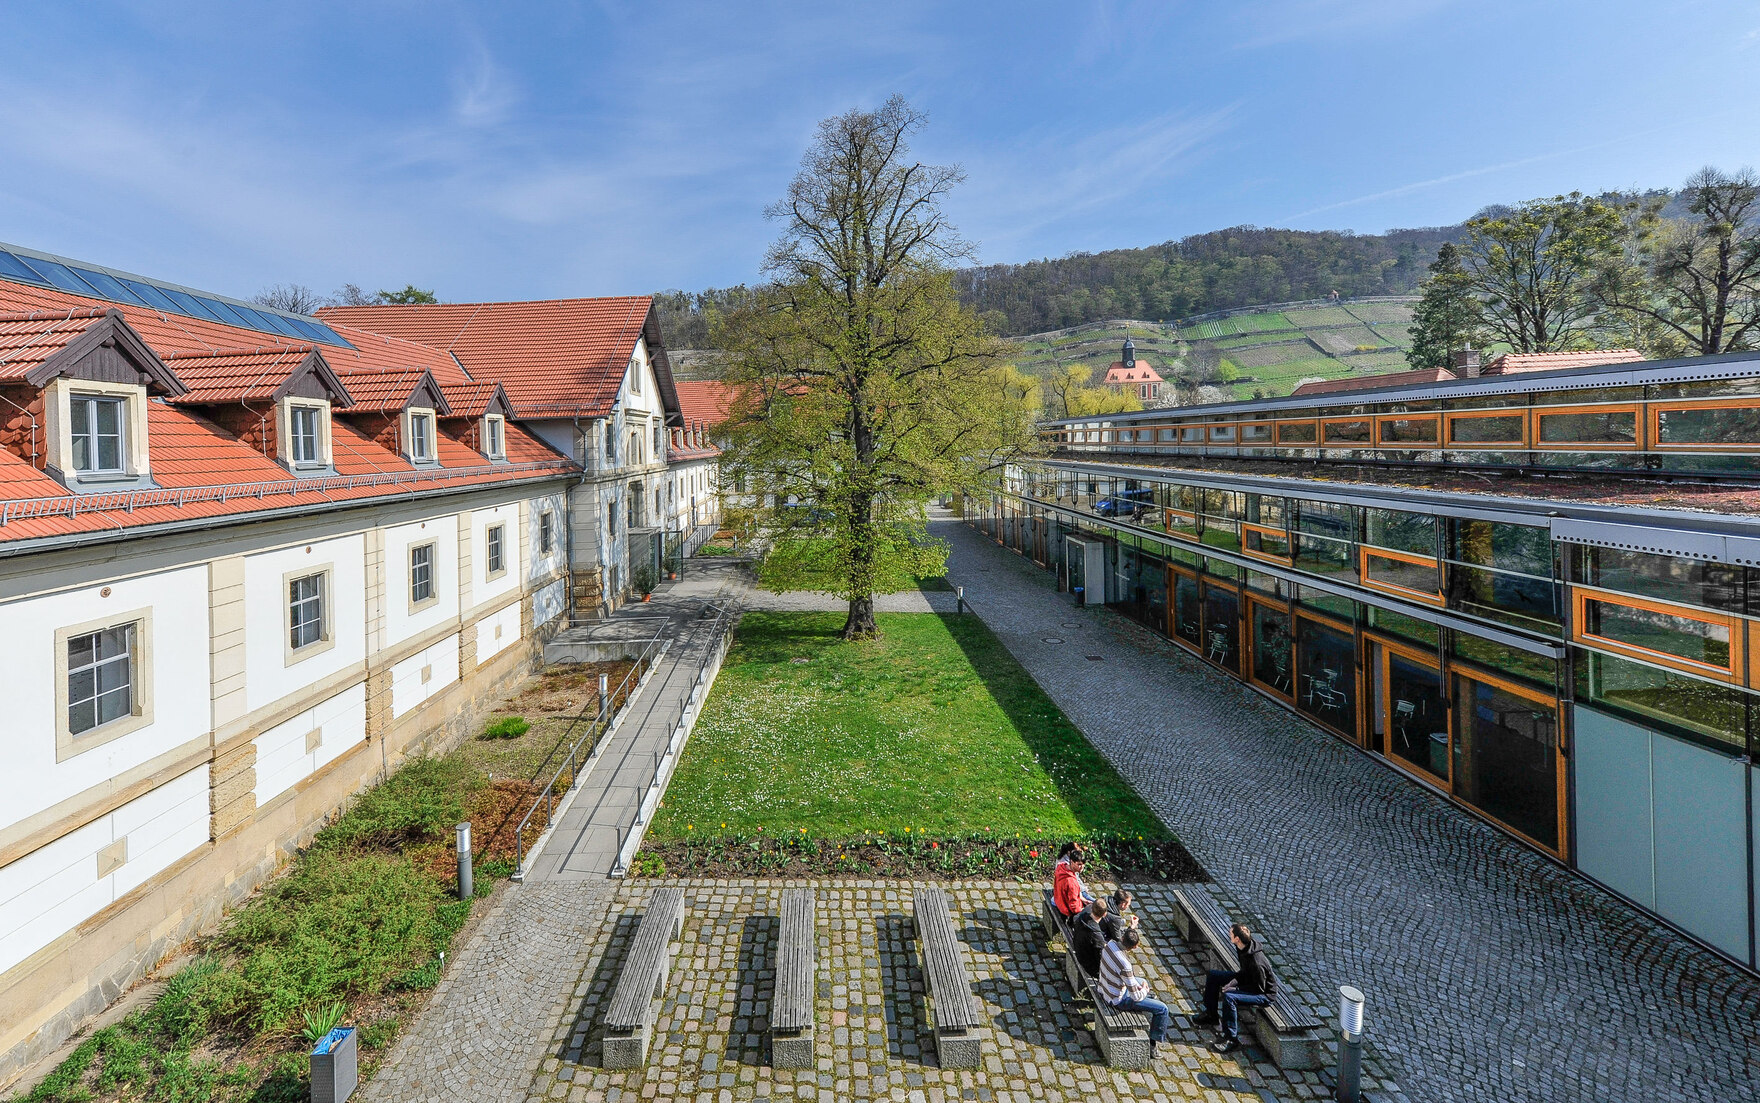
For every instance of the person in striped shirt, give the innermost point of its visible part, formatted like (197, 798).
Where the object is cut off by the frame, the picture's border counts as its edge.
(1122, 989)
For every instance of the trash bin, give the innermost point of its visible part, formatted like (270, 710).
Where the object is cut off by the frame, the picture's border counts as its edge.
(334, 1073)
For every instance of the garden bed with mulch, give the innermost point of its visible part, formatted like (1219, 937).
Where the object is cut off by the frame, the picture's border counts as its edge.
(911, 856)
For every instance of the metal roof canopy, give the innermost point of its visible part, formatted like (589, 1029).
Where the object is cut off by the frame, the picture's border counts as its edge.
(1695, 369)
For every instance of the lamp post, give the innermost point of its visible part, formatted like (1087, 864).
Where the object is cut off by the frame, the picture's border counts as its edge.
(464, 860)
(1350, 1046)
(959, 593)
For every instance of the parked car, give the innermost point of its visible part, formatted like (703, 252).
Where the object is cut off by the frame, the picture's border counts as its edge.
(1127, 503)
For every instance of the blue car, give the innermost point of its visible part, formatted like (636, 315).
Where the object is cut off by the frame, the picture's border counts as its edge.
(1126, 503)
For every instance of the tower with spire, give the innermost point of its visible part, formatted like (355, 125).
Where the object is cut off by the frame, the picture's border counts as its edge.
(1129, 359)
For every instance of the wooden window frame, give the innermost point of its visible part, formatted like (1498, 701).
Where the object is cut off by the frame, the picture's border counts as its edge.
(1653, 416)
(1366, 419)
(1211, 428)
(1201, 429)
(1383, 680)
(1561, 774)
(1167, 513)
(1311, 423)
(1523, 445)
(1539, 413)
(1382, 442)
(1734, 674)
(1173, 605)
(1299, 613)
(1268, 426)
(1281, 533)
(1365, 552)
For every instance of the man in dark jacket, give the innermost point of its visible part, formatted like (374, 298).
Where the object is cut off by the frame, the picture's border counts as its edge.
(1253, 985)
(1087, 936)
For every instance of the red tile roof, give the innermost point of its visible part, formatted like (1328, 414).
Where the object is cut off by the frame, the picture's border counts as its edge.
(471, 400)
(1514, 363)
(29, 337)
(384, 389)
(707, 400)
(235, 375)
(1365, 382)
(556, 358)
(1139, 372)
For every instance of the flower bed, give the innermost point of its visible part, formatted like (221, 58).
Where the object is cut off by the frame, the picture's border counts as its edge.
(912, 856)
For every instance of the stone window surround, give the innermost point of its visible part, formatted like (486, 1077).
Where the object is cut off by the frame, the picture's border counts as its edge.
(433, 597)
(57, 405)
(284, 433)
(491, 535)
(326, 623)
(546, 532)
(68, 744)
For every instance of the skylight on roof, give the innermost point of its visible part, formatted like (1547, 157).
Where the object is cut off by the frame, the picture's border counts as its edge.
(44, 270)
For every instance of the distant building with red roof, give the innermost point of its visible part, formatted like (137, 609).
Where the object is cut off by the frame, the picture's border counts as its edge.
(1128, 374)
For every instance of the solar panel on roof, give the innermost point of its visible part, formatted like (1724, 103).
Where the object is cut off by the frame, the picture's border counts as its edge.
(189, 304)
(276, 323)
(109, 286)
(317, 331)
(14, 269)
(61, 276)
(152, 296)
(225, 313)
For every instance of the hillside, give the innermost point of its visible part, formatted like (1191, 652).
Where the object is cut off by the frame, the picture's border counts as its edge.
(1265, 350)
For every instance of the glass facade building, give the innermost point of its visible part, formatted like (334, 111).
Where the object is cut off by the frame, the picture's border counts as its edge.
(1560, 633)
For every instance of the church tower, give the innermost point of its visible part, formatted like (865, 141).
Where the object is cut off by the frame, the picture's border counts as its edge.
(1130, 354)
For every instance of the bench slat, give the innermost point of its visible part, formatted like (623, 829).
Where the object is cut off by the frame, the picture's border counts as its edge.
(792, 1008)
(942, 963)
(646, 960)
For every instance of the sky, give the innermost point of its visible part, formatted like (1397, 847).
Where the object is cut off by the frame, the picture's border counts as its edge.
(534, 150)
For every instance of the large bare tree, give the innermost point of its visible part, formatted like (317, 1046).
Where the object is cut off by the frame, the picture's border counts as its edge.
(865, 387)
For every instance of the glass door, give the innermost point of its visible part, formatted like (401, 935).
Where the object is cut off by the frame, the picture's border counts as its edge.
(1412, 711)
(1185, 614)
(1326, 673)
(1273, 644)
(1222, 626)
(1506, 755)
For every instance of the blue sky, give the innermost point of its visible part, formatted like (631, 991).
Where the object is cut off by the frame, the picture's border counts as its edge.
(526, 150)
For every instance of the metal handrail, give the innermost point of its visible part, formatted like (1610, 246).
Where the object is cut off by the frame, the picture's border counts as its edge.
(128, 501)
(600, 723)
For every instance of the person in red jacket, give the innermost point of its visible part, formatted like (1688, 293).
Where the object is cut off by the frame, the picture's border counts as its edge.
(1067, 890)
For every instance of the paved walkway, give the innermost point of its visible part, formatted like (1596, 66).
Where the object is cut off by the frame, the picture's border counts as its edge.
(1491, 973)
(600, 813)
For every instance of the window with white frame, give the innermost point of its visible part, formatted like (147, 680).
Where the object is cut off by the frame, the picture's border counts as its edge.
(305, 611)
(421, 574)
(494, 436)
(497, 542)
(100, 677)
(635, 375)
(421, 436)
(99, 433)
(305, 434)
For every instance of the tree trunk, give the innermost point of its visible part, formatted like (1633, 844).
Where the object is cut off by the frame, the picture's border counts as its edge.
(860, 625)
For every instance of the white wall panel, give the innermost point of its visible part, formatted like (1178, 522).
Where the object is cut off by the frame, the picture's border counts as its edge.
(408, 689)
(32, 779)
(494, 633)
(48, 892)
(282, 757)
(484, 588)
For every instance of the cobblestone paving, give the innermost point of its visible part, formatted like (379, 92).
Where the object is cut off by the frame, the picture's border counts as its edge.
(1491, 973)
(482, 1036)
(874, 1037)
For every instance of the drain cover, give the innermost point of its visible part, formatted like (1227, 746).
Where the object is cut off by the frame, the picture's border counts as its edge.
(1096, 658)
(1069, 624)
(1049, 639)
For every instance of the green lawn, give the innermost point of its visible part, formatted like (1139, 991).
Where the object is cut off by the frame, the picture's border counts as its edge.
(934, 727)
(807, 564)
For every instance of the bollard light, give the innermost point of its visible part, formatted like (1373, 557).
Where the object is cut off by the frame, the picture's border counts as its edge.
(1350, 1010)
(464, 861)
(604, 692)
(1350, 1047)
(960, 593)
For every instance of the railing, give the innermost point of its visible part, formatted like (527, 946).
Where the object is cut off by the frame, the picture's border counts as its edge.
(582, 747)
(666, 760)
(128, 501)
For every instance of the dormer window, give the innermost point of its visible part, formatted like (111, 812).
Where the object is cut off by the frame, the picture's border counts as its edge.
(495, 436)
(420, 436)
(97, 433)
(305, 434)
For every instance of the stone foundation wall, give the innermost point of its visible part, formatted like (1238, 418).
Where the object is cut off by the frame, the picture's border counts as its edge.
(52, 994)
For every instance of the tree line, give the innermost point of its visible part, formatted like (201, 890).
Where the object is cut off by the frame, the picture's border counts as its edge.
(1670, 274)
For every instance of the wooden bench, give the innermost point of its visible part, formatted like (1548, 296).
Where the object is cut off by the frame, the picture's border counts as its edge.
(791, 1006)
(1287, 1032)
(629, 1017)
(954, 1011)
(1123, 1036)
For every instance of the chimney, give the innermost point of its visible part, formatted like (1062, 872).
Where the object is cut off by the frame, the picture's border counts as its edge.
(1466, 363)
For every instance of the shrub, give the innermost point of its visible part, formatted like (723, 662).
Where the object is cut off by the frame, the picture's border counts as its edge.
(508, 727)
(423, 800)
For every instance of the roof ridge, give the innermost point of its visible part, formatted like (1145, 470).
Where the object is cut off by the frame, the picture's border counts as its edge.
(68, 315)
(489, 302)
(220, 352)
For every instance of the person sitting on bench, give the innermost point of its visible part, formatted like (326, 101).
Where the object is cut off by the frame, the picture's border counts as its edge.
(1087, 936)
(1067, 890)
(1118, 915)
(1253, 985)
(1123, 990)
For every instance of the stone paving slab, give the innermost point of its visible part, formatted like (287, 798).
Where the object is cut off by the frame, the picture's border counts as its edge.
(875, 1040)
(1492, 973)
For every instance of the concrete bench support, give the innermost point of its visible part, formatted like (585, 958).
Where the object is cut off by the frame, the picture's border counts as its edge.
(791, 1008)
(953, 1010)
(629, 1018)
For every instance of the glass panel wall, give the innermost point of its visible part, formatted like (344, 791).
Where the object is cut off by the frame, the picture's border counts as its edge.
(1663, 577)
(1506, 757)
(1416, 715)
(1273, 644)
(1503, 572)
(1188, 613)
(1678, 702)
(1222, 630)
(1326, 675)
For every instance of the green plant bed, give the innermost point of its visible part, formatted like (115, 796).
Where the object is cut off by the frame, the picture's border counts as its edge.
(508, 727)
(1112, 858)
(807, 564)
(933, 727)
